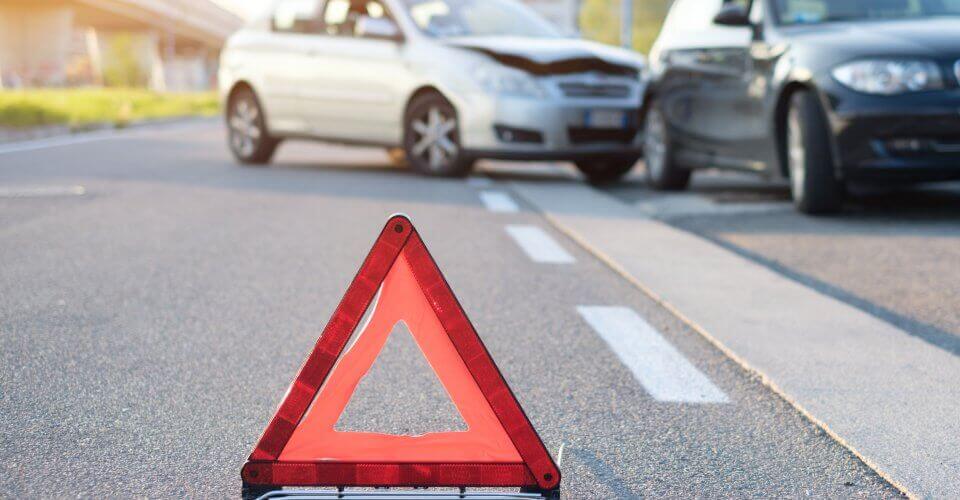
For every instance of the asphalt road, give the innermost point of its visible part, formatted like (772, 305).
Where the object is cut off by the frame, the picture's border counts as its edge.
(150, 325)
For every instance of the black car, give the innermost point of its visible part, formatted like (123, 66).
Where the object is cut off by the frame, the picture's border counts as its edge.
(823, 92)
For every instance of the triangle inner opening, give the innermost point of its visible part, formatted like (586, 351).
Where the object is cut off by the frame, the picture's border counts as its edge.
(400, 394)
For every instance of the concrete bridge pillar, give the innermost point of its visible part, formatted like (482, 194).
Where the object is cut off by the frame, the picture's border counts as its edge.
(35, 42)
(173, 43)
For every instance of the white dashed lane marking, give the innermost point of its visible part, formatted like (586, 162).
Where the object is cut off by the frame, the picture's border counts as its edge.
(498, 201)
(539, 246)
(662, 370)
(40, 191)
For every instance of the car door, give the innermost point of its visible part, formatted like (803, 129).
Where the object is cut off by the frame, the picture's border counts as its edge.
(729, 112)
(358, 82)
(285, 53)
(725, 111)
(702, 81)
(760, 99)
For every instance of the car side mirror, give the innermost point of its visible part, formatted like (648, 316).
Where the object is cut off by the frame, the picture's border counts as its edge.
(378, 27)
(732, 15)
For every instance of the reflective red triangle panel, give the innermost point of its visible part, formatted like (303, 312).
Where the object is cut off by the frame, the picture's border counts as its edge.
(400, 281)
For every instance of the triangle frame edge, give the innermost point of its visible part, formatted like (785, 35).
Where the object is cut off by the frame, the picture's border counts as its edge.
(344, 320)
(537, 470)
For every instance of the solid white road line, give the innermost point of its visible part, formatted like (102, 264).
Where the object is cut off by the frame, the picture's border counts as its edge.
(140, 131)
(40, 191)
(498, 201)
(58, 141)
(539, 246)
(655, 363)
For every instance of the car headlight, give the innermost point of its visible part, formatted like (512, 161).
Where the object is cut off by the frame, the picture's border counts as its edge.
(889, 76)
(502, 80)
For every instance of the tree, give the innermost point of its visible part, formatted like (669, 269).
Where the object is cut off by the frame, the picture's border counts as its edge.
(122, 67)
(600, 21)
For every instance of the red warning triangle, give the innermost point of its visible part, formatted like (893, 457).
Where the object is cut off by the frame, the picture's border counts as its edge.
(400, 282)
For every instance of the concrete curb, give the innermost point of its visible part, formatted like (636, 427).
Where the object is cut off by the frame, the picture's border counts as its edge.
(888, 397)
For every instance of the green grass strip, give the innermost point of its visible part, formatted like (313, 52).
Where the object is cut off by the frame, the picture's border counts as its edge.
(83, 107)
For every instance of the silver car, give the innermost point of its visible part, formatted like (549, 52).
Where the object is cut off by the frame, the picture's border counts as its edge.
(445, 82)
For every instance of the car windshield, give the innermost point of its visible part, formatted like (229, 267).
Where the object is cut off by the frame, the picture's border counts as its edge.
(822, 11)
(453, 18)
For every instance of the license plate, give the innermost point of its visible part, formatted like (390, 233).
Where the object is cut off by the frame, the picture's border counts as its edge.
(605, 118)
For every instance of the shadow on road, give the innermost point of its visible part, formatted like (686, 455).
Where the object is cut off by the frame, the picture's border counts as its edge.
(922, 202)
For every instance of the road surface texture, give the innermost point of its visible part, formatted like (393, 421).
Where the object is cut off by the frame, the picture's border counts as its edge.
(157, 301)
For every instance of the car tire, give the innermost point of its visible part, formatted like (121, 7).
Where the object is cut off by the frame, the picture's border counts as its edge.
(813, 181)
(663, 172)
(431, 138)
(247, 135)
(608, 169)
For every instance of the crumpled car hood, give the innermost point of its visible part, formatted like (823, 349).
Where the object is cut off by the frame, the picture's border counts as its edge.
(550, 56)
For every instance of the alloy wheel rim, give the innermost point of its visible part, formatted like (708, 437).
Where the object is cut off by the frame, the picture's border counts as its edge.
(245, 129)
(654, 147)
(434, 141)
(796, 155)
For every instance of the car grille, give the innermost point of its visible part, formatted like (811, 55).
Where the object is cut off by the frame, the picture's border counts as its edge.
(947, 145)
(609, 90)
(923, 146)
(581, 135)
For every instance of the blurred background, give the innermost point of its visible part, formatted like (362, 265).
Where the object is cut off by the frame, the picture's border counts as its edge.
(91, 63)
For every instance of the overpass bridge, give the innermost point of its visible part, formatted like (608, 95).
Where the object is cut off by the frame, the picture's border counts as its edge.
(172, 44)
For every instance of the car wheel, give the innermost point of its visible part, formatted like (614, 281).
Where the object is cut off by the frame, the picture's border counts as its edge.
(431, 138)
(813, 182)
(663, 173)
(248, 138)
(607, 170)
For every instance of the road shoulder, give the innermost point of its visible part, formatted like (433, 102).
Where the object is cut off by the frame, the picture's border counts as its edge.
(886, 395)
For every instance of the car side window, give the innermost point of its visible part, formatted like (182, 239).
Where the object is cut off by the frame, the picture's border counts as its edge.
(335, 18)
(376, 9)
(800, 11)
(297, 16)
(340, 16)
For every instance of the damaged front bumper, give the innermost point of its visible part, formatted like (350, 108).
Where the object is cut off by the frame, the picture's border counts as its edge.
(580, 116)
